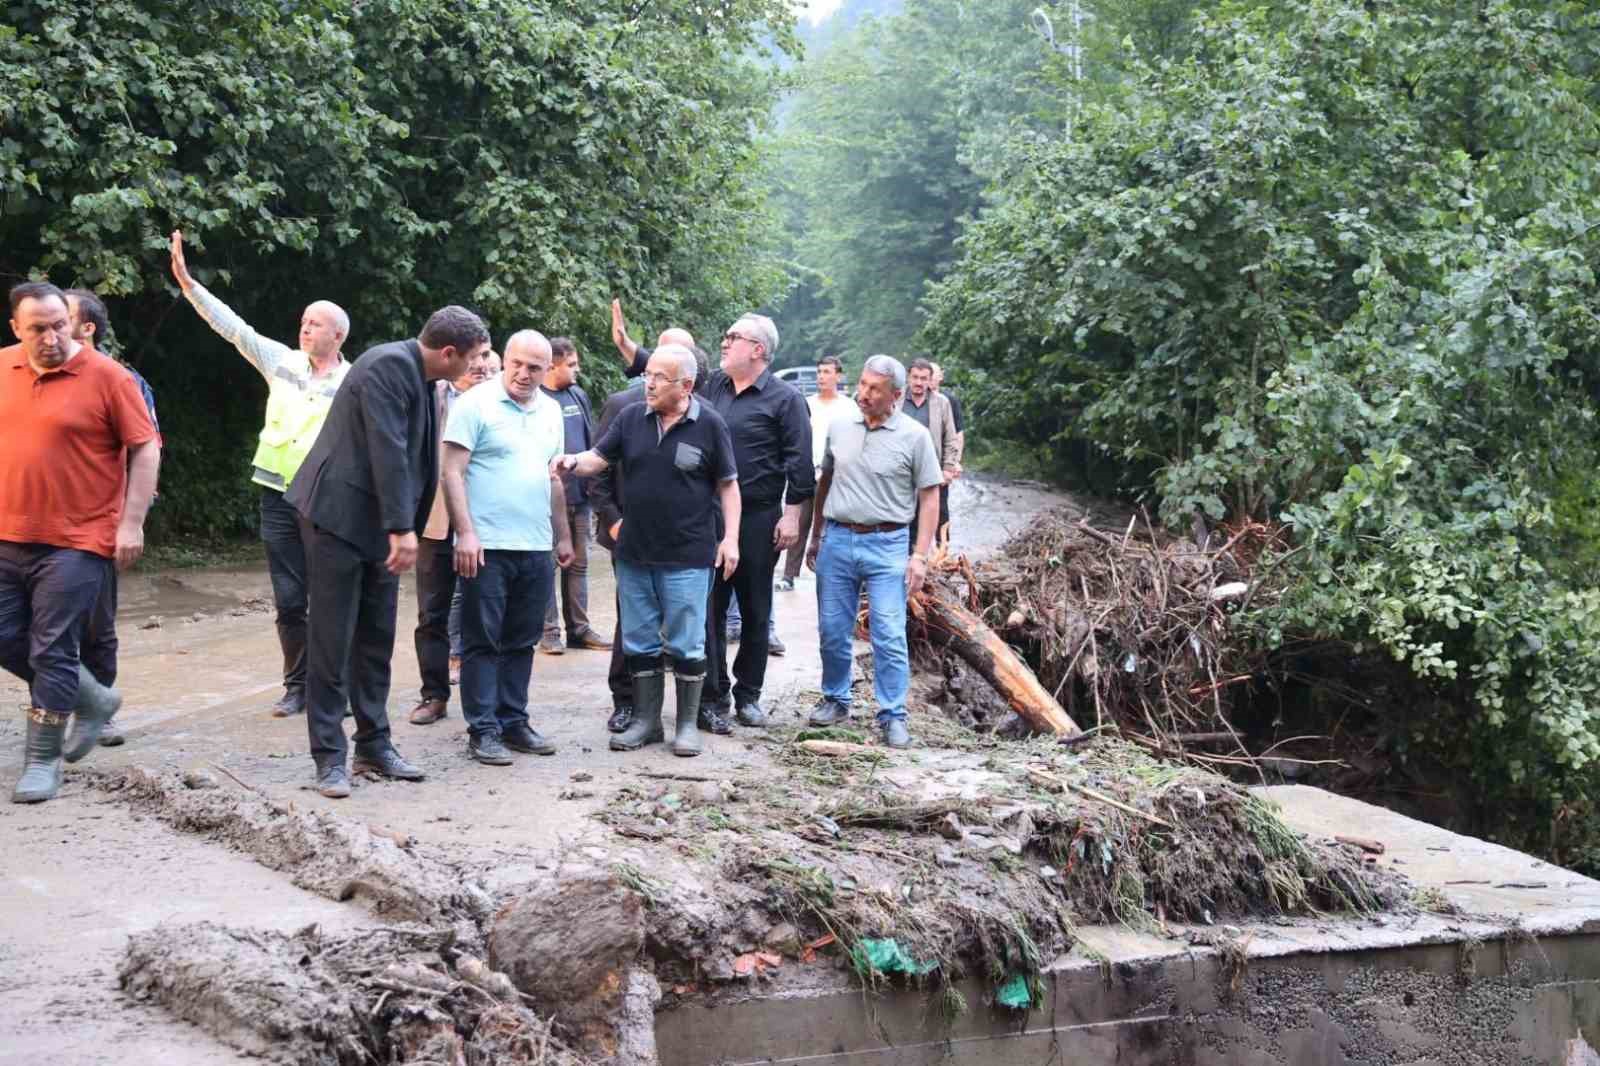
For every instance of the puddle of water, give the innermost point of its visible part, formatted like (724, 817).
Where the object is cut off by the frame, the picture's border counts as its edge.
(142, 595)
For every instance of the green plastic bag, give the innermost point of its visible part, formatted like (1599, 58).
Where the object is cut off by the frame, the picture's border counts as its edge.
(887, 956)
(1015, 993)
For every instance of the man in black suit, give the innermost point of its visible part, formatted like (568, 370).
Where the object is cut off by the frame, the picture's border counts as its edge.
(362, 494)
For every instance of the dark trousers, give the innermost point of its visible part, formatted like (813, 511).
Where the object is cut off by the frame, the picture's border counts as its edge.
(944, 520)
(758, 558)
(618, 677)
(286, 564)
(100, 644)
(571, 586)
(502, 614)
(436, 583)
(46, 597)
(796, 556)
(350, 634)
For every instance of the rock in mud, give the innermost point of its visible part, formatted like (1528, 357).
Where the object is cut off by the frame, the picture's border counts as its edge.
(569, 943)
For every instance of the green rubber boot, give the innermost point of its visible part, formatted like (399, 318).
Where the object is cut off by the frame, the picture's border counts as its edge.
(96, 705)
(686, 740)
(649, 691)
(41, 776)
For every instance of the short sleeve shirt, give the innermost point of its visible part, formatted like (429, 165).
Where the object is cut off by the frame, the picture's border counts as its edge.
(878, 472)
(508, 476)
(670, 483)
(64, 440)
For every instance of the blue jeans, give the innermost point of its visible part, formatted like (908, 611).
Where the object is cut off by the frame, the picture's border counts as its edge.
(455, 620)
(47, 595)
(846, 563)
(502, 615)
(663, 609)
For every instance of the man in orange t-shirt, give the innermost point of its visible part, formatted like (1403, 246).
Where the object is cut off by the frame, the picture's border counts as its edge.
(78, 463)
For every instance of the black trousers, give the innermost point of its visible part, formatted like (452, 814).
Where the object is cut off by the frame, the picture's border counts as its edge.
(350, 630)
(436, 584)
(100, 644)
(286, 565)
(502, 614)
(944, 520)
(618, 677)
(46, 597)
(753, 582)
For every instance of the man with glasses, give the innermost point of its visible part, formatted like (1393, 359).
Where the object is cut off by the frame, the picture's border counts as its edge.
(675, 459)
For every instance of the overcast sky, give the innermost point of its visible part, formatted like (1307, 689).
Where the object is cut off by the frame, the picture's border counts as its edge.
(817, 10)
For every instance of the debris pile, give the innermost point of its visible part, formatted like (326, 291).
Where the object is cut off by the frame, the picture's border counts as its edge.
(959, 863)
(1125, 631)
(408, 996)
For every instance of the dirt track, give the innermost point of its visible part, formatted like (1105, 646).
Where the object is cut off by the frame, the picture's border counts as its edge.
(83, 872)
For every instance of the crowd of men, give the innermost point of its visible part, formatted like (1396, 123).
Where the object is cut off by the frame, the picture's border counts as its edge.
(489, 474)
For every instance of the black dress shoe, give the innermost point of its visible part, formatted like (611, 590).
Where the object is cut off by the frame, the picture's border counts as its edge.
(774, 645)
(829, 712)
(714, 719)
(291, 703)
(620, 718)
(751, 715)
(333, 782)
(386, 762)
(520, 737)
(488, 750)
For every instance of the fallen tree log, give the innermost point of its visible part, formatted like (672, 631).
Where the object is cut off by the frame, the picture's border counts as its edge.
(981, 648)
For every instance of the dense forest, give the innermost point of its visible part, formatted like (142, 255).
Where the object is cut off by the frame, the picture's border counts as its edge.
(1328, 265)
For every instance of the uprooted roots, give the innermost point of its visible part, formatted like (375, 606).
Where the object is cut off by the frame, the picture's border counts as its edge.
(404, 996)
(1127, 630)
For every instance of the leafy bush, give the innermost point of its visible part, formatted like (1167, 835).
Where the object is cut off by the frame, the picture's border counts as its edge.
(1338, 268)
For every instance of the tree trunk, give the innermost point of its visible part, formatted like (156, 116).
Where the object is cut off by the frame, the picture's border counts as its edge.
(982, 648)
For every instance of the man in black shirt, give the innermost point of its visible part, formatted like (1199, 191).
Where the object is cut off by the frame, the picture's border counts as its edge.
(572, 584)
(771, 429)
(677, 464)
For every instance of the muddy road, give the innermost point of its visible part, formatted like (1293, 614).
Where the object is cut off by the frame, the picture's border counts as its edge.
(199, 668)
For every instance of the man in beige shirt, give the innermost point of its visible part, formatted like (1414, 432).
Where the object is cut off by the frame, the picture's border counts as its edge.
(932, 411)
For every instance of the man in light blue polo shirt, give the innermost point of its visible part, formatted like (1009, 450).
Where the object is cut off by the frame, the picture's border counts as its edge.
(508, 513)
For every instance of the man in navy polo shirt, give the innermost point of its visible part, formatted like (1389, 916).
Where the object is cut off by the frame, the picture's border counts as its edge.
(676, 461)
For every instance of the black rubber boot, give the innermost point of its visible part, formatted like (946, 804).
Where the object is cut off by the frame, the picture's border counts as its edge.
(649, 692)
(41, 777)
(686, 740)
(96, 704)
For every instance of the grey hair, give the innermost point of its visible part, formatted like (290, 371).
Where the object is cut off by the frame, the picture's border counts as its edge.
(684, 359)
(886, 366)
(341, 321)
(765, 331)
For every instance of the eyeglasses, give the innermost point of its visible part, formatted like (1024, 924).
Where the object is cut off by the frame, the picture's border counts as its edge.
(659, 379)
(730, 336)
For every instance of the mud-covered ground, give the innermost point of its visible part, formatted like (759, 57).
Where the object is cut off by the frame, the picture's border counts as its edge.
(199, 669)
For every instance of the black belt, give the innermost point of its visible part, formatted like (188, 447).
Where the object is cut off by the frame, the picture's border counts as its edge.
(875, 527)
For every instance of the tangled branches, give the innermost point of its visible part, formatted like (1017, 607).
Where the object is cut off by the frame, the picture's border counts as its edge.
(1128, 630)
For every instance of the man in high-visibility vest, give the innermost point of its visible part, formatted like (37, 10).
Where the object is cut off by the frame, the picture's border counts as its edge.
(301, 383)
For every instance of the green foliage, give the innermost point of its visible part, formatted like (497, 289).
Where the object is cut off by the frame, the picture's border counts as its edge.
(1336, 267)
(529, 159)
(882, 156)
